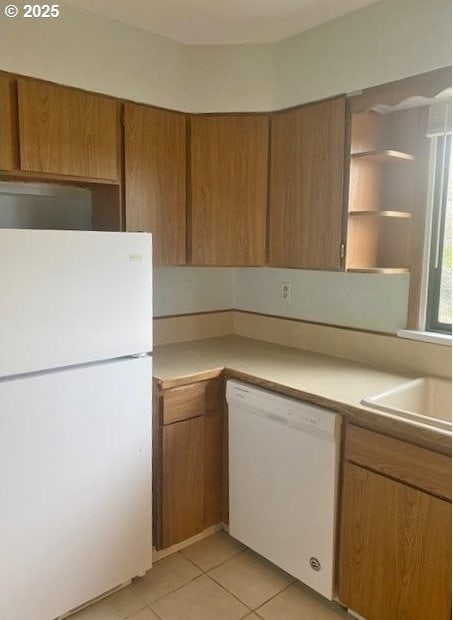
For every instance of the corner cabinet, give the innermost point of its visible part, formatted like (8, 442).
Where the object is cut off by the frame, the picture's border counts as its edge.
(306, 213)
(395, 533)
(188, 461)
(70, 132)
(228, 196)
(155, 179)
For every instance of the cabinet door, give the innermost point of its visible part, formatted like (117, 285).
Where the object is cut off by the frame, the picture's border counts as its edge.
(182, 480)
(229, 161)
(155, 176)
(68, 131)
(213, 469)
(9, 137)
(395, 545)
(306, 186)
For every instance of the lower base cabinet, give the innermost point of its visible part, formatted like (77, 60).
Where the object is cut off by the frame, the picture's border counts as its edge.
(188, 462)
(395, 543)
(182, 480)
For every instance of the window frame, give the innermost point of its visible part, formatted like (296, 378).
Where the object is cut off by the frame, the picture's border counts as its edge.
(439, 209)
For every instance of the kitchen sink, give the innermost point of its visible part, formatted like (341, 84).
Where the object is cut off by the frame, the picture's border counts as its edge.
(426, 400)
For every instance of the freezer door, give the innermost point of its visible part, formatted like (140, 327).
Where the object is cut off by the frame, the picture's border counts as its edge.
(71, 297)
(75, 486)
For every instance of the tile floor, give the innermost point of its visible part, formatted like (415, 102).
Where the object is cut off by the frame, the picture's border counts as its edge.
(214, 579)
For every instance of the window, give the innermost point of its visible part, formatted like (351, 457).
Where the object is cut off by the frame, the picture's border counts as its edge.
(439, 299)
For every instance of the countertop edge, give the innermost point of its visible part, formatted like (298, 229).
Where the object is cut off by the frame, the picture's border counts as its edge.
(428, 437)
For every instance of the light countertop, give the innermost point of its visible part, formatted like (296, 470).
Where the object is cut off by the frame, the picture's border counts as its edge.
(325, 381)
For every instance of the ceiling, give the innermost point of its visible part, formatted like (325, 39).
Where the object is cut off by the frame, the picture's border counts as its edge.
(223, 21)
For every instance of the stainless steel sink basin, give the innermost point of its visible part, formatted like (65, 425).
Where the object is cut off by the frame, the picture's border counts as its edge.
(426, 400)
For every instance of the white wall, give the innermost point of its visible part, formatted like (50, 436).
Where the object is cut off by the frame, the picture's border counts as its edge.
(379, 43)
(383, 41)
(230, 78)
(97, 53)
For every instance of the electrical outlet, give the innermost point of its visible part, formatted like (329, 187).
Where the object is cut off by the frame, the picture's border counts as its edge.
(285, 292)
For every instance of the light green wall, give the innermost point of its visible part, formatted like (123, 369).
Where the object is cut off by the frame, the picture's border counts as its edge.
(366, 301)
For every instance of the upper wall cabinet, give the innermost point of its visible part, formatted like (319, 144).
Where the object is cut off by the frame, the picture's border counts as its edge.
(65, 131)
(229, 162)
(306, 192)
(155, 176)
(9, 142)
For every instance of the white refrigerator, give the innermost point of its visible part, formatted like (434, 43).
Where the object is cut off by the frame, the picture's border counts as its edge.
(75, 417)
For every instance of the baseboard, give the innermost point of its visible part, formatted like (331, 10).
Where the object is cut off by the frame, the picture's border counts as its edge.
(163, 553)
(94, 600)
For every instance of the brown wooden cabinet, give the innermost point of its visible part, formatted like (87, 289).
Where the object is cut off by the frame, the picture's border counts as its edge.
(188, 461)
(229, 163)
(155, 179)
(306, 186)
(395, 534)
(9, 136)
(65, 131)
(182, 480)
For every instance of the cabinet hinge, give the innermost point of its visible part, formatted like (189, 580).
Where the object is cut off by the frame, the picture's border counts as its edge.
(342, 250)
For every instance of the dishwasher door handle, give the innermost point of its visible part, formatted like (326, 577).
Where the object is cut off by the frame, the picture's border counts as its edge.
(275, 418)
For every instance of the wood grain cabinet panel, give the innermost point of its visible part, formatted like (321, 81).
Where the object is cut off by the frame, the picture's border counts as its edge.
(229, 162)
(66, 131)
(9, 134)
(395, 546)
(418, 467)
(155, 179)
(182, 480)
(306, 186)
(188, 461)
(192, 400)
(213, 469)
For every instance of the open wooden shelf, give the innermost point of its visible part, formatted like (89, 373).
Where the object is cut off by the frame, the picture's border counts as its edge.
(383, 156)
(398, 214)
(386, 270)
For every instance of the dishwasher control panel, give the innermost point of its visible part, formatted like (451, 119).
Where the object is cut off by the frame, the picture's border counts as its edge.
(288, 411)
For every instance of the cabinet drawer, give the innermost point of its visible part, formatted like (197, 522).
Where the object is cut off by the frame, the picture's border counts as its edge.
(192, 400)
(397, 459)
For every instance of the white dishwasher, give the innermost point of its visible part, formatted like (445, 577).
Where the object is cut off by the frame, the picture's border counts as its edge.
(283, 473)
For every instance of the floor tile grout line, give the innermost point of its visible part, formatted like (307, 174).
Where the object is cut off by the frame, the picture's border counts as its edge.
(206, 570)
(202, 572)
(230, 593)
(292, 582)
(155, 613)
(150, 605)
(137, 610)
(255, 610)
(227, 560)
(174, 589)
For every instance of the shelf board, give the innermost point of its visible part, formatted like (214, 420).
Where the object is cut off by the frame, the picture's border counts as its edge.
(388, 270)
(47, 177)
(384, 156)
(378, 214)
